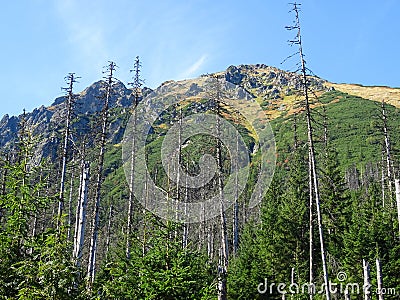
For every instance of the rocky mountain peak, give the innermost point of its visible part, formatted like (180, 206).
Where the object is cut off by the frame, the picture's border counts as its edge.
(268, 82)
(261, 81)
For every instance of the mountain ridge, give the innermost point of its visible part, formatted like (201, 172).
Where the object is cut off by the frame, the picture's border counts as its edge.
(274, 89)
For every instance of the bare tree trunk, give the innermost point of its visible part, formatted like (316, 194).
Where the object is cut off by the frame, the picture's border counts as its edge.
(185, 224)
(383, 180)
(202, 228)
(317, 203)
(185, 230)
(397, 184)
(210, 242)
(79, 204)
(131, 189)
(108, 234)
(178, 172)
(70, 206)
(223, 260)
(311, 148)
(367, 281)
(310, 224)
(136, 85)
(34, 226)
(346, 294)
(379, 279)
(99, 179)
(69, 108)
(387, 149)
(80, 220)
(144, 240)
(236, 206)
(292, 281)
(35, 218)
(222, 288)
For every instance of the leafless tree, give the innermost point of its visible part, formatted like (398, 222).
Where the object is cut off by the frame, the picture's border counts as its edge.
(99, 176)
(314, 183)
(69, 103)
(137, 92)
(216, 97)
(379, 279)
(387, 149)
(80, 220)
(397, 185)
(367, 280)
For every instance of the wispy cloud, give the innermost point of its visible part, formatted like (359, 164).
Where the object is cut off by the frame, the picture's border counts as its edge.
(85, 34)
(194, 68)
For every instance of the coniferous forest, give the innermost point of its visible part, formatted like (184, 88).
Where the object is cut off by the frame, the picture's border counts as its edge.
(80, 217)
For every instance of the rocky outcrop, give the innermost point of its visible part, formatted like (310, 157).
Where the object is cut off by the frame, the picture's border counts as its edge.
(269, 82)
(46, 123)
(233, 74)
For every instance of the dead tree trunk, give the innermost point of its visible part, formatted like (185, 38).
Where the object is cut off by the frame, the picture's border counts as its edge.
(80, 220)
(346, 294)
(69, 107)
(367, 280)
(178, 172)
(136, 85)
(71, 187)
(108, 234)
(96, 211)
(311, 149)
(201, 229)
(389, 165)
(185, 224)
(397, 184)
(325, 124)
(35, 217)
(144, 240)
(210, 242)
(383, 177)
(236, 206)
(379, 279)
(311, 224)
(223, 260)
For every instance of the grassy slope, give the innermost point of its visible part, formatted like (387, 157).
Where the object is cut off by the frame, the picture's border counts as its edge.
(354, 128)
(375, 93)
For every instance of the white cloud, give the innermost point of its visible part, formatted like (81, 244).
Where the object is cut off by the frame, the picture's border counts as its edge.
(194, 68)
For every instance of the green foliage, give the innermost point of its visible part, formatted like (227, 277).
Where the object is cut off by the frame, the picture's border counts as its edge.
(334, 204)
(164, 271)
(31, 266)
(272, 248)
(355, 128)
(48, 271)
(248, 269)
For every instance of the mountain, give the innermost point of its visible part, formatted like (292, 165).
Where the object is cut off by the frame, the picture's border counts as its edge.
(277, 91)
(266, 83)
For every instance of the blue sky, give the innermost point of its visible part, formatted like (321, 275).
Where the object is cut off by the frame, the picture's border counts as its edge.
(43, 40)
